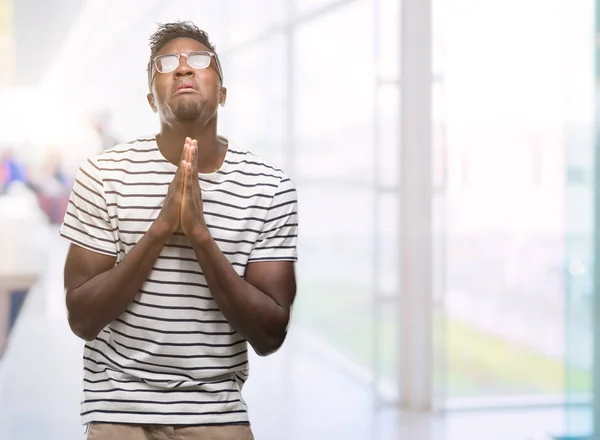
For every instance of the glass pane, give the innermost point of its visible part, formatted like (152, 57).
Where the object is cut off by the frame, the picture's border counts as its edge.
(439, 208)
(304, 6)
(388, 135)
(244, 20)
(439, 37)
(388, 39)
(439, 137)
(337, 240)
(385, 343)
(500, 142)
(333, 109)
(387, 236)
(263, 129)
(579, 266)
(387, 284)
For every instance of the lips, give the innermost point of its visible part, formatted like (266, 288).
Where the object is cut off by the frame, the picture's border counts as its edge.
(184, 86)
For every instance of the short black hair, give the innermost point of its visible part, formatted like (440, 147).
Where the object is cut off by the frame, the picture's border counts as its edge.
(180, 29)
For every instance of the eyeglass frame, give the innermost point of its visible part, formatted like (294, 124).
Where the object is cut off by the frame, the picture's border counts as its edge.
(154, 67)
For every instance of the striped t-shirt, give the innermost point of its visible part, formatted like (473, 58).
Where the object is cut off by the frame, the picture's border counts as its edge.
(171, 357)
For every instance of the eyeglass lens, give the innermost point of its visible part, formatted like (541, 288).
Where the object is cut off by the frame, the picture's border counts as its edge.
(170, 62)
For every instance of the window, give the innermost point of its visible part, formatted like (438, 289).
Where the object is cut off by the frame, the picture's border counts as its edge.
(254, 116)
(334, 87)
(505, 253)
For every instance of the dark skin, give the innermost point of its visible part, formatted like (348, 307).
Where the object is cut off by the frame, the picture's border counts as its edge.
(257, 306)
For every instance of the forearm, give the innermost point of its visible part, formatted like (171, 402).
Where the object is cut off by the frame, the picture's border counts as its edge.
(103, 298)
(252, 313)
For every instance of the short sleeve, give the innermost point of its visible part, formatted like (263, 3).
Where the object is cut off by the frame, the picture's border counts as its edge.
(279, 236)
(86, 222)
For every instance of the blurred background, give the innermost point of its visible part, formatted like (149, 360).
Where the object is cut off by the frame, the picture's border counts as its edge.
(443, 152)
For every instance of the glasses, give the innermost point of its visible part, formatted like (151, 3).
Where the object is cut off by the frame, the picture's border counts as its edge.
(169, 62)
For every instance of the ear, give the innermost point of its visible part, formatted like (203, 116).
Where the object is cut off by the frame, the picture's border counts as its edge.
(150, 98)
(223, 96)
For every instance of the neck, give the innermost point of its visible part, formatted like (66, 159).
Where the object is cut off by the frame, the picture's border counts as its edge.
(210, 150)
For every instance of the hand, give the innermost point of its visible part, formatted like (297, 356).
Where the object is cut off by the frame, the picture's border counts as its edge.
(169, 218)
(192, 212)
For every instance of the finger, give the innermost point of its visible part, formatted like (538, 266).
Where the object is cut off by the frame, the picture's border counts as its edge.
(195, 157)
(188, 177)
(188, 153)
(183, 152)
(180, 169)
(195, 180)
(190, 150)
(179, 172)
(180, 176)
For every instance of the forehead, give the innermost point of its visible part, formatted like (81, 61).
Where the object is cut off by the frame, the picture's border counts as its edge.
(181, 45)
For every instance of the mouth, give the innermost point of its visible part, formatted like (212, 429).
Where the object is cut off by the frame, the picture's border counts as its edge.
(185, 88)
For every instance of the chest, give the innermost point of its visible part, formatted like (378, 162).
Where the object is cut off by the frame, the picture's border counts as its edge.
(234, 216)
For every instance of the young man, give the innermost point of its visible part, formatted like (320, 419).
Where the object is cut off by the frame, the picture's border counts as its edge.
(182, 249)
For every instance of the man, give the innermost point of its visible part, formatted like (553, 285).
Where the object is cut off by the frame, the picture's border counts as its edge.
(182, 249)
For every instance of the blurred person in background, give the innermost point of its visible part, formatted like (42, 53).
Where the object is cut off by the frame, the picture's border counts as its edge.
(182, 251)
(4, 175)
(11, 169)
(52, 186)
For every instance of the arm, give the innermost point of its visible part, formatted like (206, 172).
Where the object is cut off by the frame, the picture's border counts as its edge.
(259, 306)
(97, 291)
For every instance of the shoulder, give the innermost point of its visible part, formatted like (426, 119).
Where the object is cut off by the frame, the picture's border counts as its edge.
(135, 146)
(251, 164)
(118, 156)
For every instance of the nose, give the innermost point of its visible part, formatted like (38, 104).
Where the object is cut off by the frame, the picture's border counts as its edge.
(183, 68)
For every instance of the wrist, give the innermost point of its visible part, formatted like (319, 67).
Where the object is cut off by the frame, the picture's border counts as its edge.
(200, 236)
(159, 232)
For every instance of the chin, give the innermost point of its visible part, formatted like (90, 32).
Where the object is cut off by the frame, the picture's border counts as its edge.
(187, 111)
(186, 116)
(193, 111)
